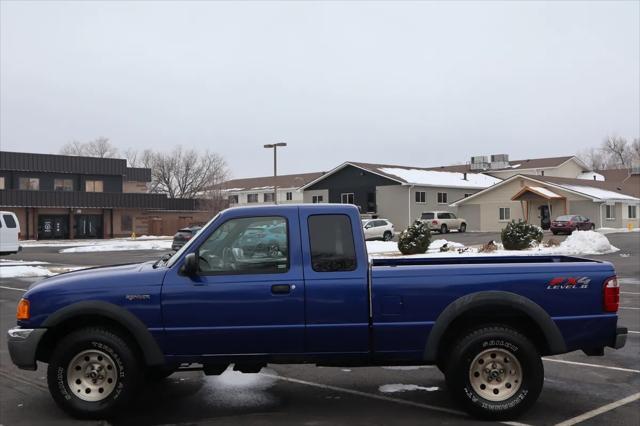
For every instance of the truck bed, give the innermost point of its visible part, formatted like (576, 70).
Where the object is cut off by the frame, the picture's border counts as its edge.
(470, 260)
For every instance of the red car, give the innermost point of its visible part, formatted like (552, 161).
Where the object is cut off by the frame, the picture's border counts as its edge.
(570, 223)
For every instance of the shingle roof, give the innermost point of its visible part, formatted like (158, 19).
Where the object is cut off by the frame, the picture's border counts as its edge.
(420, 175)
(530, 163)
(266, 182)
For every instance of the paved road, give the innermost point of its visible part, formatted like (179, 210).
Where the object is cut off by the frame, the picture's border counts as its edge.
(288, 394)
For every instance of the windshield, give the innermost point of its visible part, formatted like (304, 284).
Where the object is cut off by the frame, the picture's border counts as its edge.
(175, 256)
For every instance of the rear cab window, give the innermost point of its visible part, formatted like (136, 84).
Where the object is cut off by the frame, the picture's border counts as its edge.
(331, 242)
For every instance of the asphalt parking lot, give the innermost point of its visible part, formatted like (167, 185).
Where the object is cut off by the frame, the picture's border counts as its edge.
(578, 389)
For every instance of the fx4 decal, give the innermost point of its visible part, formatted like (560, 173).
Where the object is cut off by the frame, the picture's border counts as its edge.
(568, 283)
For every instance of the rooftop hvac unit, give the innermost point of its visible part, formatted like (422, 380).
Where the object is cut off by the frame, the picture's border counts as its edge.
(479, 162)
(497, 158)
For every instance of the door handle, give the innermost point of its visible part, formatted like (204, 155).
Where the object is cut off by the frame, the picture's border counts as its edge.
(281, 289)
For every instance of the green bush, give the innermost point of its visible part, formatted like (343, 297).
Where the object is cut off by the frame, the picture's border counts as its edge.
(520, 235)
(415, 239)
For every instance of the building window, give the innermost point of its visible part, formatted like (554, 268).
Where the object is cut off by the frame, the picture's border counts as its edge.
(1, 182)
(633, 212)
(467, 195)
(94, 186)
(252, 198)
(289, 196)
(347, 198)
(610, 212)
(317, 199)
(233, 199)
(421, 197)
(268, 197)
(29, 184)
(505, 214)
(442, 198)
(541, 172)
(126, 223)
(63, 185)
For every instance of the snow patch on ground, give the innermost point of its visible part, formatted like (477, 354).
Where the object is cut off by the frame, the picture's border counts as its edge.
(10, 262)
(26, 269)
(606, 231)
(404, 388)
(120, 245)
(241, 390)
(82, 243)
(577, 244)
(24, 272)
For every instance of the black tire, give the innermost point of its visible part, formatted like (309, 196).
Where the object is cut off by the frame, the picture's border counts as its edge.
(125, 364)
(444, 229)
(554, 232)
(387, 236)
(517, 352)
(463, 227)
(593, 227)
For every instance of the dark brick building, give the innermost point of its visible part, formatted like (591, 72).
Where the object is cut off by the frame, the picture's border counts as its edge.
(60, 196)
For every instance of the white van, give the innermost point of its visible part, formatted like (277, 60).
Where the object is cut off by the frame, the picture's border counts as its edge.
(9, 233)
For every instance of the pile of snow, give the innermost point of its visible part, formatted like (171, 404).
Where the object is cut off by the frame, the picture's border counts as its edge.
(24, 271)
(120, 245)
(584, 242)
(11, 262)
(403, 388)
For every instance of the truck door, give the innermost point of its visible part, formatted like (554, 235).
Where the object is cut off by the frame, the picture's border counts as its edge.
(335, 270)
(248, 295)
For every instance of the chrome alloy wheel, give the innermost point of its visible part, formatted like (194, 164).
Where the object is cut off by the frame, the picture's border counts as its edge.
(495, 375)
(92, 375)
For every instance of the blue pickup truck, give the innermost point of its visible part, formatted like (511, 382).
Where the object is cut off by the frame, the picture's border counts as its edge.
(314, 297)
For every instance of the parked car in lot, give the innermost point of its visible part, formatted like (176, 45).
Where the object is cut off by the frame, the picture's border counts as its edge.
(183, 235)
(266, 239)
(485, 322)
(9, 233)
(378, 229)
(569, 223)
(443, 222)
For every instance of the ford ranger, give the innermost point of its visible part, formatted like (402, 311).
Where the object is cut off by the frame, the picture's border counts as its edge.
(230, 296)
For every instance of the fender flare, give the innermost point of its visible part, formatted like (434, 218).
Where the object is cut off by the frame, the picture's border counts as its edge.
(464, 304)
(152, 353)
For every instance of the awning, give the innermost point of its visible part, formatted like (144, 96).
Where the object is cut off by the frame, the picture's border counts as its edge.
(536, 193)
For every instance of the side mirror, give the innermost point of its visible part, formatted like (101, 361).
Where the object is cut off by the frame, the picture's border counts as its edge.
(190, 265)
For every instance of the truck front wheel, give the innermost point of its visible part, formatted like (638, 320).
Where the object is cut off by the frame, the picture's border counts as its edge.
(93, 372)
(495, 372)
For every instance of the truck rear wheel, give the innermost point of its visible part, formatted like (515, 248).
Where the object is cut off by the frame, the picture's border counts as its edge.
(93, 372)
(495, 372)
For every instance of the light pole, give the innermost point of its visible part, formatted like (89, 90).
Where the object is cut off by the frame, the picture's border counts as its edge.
(275, 168)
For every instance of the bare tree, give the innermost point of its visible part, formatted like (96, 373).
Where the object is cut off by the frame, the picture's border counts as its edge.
(100, 147)
(618, 150)
(182, 173)
(74, 148)
(594, 158)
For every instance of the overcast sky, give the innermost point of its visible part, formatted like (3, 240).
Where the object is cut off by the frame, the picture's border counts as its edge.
(415, 83)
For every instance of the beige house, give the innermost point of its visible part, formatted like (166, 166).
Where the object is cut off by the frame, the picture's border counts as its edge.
(531, 198)
(259, 190)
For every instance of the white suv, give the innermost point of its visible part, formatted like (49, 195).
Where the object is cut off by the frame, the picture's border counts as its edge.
(378, 229)
(443, 222)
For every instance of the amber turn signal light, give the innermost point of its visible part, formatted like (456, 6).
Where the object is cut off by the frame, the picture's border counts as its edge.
(22, 312)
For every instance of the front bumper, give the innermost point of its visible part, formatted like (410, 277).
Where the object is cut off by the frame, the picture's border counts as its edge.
(620, 339)
(23, 344)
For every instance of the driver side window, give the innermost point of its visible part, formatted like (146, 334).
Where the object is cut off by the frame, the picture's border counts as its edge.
(253, 245)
